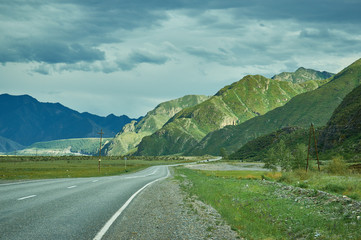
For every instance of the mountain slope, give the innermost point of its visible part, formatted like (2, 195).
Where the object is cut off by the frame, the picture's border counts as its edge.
(302, 75)
(250, 97)
(7, 145)
(315, 106)
(133, 133)
(341, 135)
(256, 149)
(25, 120)
(343, 130)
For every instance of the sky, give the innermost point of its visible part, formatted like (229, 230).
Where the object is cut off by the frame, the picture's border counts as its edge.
(126, 57)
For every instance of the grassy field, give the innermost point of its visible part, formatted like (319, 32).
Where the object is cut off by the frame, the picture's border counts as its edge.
(31, 167)
(244, 174)
(271, 210)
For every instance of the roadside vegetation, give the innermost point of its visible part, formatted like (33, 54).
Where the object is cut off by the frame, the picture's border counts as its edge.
(282, 207)
(43, 167)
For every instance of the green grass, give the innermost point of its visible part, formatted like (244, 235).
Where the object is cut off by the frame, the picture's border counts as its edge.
(260, 211)
(347, 184)
(244, 174)
(25, 167)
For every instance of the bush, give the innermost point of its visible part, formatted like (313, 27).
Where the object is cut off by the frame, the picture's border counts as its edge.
(287, 177)
(301, 174)
(337, 166)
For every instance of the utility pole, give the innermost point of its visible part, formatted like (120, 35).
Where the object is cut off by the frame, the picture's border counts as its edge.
(100, 148)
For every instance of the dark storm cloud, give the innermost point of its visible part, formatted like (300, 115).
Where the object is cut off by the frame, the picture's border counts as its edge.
(59, 32)
(49, 52)
(72, 31)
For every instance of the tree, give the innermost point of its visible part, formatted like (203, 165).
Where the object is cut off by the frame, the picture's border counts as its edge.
(223, 153)
(300, 155)
(271, 160)
(284, 156)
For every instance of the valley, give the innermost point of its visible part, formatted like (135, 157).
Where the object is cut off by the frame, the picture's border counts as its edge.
(260, 188)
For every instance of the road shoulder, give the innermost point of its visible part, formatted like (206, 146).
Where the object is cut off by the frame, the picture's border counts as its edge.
(163, 211)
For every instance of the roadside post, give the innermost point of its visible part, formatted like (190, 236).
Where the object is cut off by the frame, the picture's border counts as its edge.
(100, 148)
(125, 163)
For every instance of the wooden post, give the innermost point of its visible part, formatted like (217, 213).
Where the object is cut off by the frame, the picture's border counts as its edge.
(100, 148)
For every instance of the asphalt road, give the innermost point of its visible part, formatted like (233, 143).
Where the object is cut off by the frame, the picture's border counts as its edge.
(76, 208)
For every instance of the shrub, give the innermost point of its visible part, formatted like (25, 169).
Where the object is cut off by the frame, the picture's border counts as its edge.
(287, 177)
(337, 166)
(301, 174)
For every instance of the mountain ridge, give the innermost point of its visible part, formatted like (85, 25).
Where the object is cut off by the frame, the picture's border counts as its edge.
(25, 120)
(315, 106)
(302, 74)
(232, 105)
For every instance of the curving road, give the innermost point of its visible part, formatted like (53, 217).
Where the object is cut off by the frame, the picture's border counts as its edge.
(77, 208)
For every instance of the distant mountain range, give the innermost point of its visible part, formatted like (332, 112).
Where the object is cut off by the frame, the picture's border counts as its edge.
(191, 125)
(24, 121)
(252, 96)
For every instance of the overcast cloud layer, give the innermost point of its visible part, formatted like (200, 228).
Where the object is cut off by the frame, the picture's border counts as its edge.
(125, 57)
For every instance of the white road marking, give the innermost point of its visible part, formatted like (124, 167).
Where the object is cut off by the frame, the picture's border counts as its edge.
(74, 186)
(132, 177)
(31, 196)
(102, 231)
(150, 174)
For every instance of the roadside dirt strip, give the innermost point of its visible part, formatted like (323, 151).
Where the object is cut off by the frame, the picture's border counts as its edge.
(163, 211)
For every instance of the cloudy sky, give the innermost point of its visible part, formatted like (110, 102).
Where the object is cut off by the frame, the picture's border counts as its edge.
(125, 57)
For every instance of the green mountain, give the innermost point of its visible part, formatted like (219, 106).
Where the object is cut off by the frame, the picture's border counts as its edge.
(256, 149)
(315, 106)
(250, 97)
(302, 75)
(342, 133)
(75, 146)
(132, 133)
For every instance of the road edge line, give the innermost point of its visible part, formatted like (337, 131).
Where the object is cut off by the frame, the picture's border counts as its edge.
(106, 227)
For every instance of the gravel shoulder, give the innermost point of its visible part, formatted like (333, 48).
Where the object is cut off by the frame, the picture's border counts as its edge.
(164, 211)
